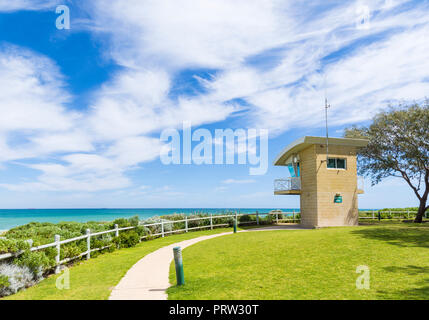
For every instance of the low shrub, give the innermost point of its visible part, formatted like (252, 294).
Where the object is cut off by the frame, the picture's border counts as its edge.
(4, 281)
(12, 246)
(72, 250)
(246, 218)
(36, 262)
(127, 239)
(15, 278)
(122, 223)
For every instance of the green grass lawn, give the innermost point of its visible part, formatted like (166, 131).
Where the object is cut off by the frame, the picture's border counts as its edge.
(94, 279)
(309, 264)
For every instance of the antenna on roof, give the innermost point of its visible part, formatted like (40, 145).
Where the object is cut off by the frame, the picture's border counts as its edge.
(327, 106)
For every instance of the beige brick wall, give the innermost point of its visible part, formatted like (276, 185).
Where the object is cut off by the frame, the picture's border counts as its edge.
(333, 181)
(320, 185)
(308, 187)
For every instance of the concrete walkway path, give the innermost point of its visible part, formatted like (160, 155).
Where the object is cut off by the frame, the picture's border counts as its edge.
(148, 279)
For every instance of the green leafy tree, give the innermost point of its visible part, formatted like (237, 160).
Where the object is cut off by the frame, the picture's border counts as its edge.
(398, 147)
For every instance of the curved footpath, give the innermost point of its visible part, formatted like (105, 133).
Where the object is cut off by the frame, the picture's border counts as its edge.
(148, 279)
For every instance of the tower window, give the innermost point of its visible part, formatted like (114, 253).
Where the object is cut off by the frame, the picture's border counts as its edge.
(337, 163)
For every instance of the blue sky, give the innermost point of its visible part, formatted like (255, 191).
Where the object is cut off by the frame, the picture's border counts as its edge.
(83, 109)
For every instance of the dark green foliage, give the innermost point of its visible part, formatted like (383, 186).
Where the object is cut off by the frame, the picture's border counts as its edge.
(127, 239)
(398, 147)
(72, 250)
(37, 262)
(4, 281)
(13, 246)
(247, 218)
(122, 223)
(43, 233)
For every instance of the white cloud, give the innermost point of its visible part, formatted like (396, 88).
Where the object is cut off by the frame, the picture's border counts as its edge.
(32, 95)
(35, 120)
(134, 150)
(154, 40)
(188, 33)
(29, 5)
(236, 181)
(136, 102)
(359, 83)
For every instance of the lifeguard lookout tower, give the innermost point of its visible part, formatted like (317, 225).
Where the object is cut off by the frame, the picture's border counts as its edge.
(324, 174)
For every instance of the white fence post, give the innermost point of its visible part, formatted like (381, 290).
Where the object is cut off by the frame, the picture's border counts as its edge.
(277, 218)
(211, 221)
(57, 257)
(186, 223)
(88, 244)
(162, 228)
(373, 215)
(408, 214)
(236, 220)
(257, 218)
(116, 230)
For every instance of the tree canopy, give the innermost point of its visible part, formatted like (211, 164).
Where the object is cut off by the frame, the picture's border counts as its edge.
(398, 147)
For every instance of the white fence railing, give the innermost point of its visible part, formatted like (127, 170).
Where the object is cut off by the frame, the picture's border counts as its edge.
(388, 214)
(58, 242)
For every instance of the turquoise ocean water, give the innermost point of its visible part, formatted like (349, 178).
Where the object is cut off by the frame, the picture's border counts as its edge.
(10, 218)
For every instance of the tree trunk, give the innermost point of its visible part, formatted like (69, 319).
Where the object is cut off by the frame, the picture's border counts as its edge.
(421, 212)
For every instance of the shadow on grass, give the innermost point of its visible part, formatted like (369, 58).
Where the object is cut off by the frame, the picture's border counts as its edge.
(418, 293)
(406, 236)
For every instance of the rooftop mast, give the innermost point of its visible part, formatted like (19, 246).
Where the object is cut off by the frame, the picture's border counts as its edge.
(327, 106)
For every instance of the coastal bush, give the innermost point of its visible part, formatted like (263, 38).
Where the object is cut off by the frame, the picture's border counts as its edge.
(134, 221)
(141, 231)
(12, 246)
(37, 262)
(43, 233)
(72, 250)
(246, 218)
(127, 239)
(4, 281)
(168, 225)
(122, 223)
(102, 241)
(15, 278)
(392, 213)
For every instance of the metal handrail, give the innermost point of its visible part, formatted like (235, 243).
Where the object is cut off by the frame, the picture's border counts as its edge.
(287, 184)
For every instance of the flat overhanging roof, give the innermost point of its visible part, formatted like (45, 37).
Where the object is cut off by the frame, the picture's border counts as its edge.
(305, 142)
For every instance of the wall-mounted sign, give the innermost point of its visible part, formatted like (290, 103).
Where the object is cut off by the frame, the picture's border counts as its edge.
(338, 199)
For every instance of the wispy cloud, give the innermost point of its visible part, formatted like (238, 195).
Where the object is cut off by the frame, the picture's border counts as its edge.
(28, 5)
(236, 181)
(270, 60)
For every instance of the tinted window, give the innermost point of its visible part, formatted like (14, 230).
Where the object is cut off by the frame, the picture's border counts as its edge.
(332, 163)
(341, 163)
(335, 163)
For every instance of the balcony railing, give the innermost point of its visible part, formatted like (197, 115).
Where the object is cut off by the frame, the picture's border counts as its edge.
(288, 184)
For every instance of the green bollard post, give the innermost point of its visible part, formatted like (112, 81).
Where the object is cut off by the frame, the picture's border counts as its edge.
(235, 226)
(379, 216)
(180, 275)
